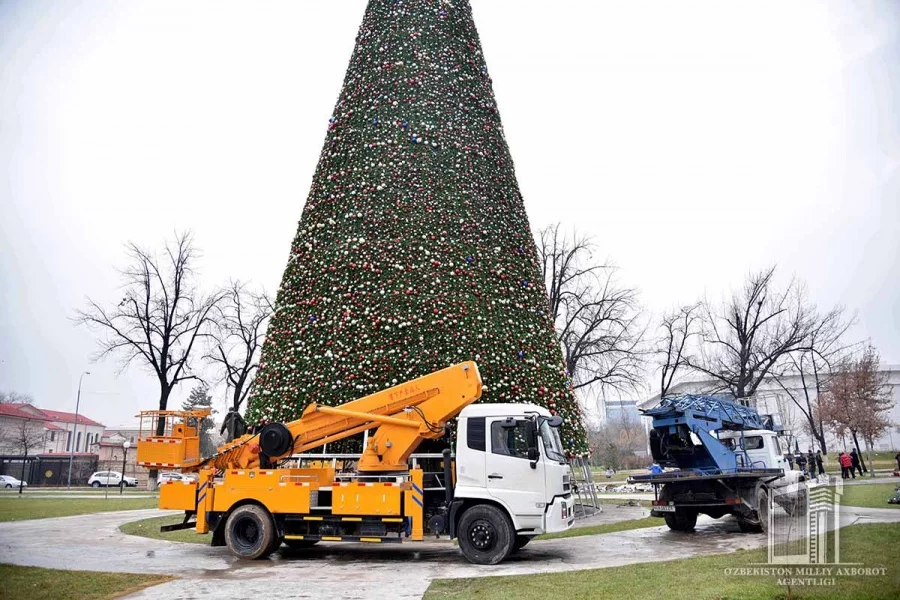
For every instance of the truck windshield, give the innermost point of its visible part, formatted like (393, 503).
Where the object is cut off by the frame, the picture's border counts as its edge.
(552, 444)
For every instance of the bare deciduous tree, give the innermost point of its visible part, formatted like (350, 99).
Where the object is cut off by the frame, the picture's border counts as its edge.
(742, 340)
(677, 329)
(12, 397)
(857, 400)
(22, 437)
(160, 319)
(616, 443)
(814, 366)
(597, 320)
(238, 334)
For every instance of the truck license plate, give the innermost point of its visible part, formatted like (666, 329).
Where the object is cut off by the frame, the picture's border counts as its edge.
(664, 508)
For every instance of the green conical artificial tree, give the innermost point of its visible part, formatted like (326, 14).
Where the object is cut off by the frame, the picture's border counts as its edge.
(414, 251)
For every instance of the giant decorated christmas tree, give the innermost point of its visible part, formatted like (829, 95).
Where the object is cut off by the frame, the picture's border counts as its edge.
(414, 250)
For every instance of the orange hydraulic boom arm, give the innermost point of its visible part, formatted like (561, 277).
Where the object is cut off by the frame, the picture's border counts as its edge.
(404, 416)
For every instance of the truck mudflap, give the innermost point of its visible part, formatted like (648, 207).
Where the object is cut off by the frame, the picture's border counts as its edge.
(559, 514)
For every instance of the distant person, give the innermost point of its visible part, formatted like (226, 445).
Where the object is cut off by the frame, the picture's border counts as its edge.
(609, 473)
(801, 462)
(846, 465)
(790, 459)
(819, 464)
(857, 465)
(655, 469)
(811, 462)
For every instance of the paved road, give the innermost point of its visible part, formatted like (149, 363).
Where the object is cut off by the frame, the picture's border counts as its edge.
(94, 543)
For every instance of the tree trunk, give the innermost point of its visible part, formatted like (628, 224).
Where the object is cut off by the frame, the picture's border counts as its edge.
(22, 481)
(164, 392)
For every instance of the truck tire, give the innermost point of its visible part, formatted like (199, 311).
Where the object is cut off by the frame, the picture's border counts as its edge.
(748, 525)
(762, 509)
(796, 506)
(682, 520)
(486, 536)
(249, 532)
(521, 542)
(275, 545)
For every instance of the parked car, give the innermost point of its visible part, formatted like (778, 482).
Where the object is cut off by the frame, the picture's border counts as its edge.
(111, 478)
(172, 476)
(8, 481)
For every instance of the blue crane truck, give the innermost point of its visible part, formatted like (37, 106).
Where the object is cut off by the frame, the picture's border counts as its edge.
(727, 460)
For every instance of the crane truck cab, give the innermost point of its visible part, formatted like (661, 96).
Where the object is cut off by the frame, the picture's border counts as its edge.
(510, 479)
(513, 480)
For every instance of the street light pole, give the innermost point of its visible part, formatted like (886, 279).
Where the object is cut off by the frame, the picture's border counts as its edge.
(75, 428)
(125, 446)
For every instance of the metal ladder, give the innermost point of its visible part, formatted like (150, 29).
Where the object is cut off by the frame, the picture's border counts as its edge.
(583, 488)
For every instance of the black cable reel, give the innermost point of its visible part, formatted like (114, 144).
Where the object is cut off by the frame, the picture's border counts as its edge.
(274, 440)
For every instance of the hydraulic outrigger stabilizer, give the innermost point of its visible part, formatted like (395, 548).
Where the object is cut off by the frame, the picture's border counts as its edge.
(265, 504)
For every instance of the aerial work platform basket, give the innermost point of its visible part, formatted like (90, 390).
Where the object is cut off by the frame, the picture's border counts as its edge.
(170, 439)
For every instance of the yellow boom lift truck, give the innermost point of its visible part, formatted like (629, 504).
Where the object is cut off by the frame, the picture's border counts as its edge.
(510, 479)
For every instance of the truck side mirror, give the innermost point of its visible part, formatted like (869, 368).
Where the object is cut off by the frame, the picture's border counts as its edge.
(531, 438)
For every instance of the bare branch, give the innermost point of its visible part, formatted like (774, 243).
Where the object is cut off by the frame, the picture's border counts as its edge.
(597, 321)
(236, 339)
(160, 317)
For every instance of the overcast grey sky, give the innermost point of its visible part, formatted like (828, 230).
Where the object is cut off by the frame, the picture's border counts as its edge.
(694, 140)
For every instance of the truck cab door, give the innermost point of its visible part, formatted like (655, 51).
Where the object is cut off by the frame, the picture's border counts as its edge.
(509, 475)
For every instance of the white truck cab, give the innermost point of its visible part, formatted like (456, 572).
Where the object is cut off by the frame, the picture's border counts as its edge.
(761, 448)
(510, 457)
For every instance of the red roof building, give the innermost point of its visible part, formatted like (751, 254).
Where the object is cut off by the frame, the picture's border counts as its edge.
(60, 429)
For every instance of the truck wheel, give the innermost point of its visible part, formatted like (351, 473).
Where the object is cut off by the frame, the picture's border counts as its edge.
(486, 536)
(521, 542)
(748, 526)
(762, 510)
(796, 506)
(682, 520)
(300, 544)
(249, 532)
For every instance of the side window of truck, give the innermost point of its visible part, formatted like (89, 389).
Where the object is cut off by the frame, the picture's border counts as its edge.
(475, 433)
(509, 441)
(753, 443)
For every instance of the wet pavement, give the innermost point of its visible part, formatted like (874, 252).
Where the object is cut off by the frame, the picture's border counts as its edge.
(94, 543)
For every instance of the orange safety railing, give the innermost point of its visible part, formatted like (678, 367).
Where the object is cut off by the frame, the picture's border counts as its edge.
(170, 439)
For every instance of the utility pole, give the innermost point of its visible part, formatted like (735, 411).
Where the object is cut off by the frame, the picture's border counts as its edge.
(75, 429)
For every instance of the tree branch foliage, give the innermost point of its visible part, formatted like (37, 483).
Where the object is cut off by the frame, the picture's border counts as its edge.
(857, 399)
(235, 342)
(743, 339)
(162, 315)
(597, 320)
(677, 328)
(13, 397)
(238, 331)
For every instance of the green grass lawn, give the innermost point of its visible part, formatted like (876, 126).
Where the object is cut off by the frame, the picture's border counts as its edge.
(23, 508)
(604, 528)
(871, 496)
(702, 578)
(150, 528)
(50, 584)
